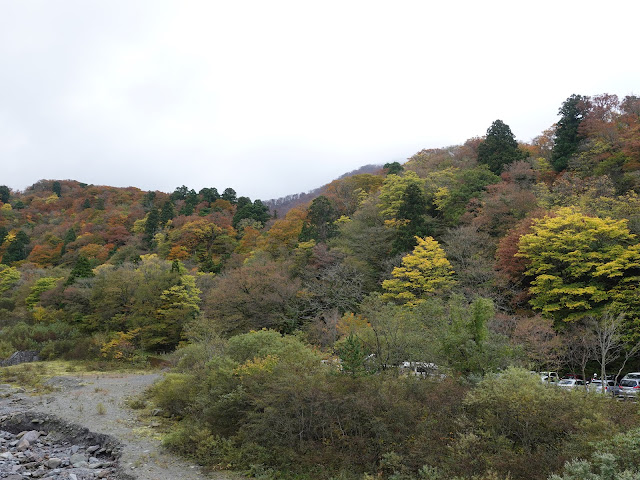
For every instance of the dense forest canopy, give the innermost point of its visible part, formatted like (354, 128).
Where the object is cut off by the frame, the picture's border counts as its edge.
(291, 320)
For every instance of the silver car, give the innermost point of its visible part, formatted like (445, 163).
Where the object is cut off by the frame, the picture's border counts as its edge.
(596, 386)
(629, 387)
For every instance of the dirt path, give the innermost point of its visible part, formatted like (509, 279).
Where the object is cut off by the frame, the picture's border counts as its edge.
(97, 403)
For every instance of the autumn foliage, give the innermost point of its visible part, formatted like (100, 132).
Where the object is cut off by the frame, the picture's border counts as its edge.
(357, 326)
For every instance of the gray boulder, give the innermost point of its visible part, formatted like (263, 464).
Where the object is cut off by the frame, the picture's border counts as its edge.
(20, 357)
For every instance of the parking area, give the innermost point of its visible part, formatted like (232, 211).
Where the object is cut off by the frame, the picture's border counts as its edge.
(627, 389)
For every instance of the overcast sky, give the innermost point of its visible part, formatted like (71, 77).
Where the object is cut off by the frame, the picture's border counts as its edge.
(277, 97)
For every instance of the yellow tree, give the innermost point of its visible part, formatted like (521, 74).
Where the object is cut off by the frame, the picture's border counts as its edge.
(425, 271)
(392, 191)
(581, 265)
(9, 277)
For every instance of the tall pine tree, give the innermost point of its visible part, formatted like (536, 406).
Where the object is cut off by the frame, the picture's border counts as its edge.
(5, 194)
(167, 213)
(412, 219)
(151, 226)
(82, 269)
(17, 249)
(499, 148)
(567, 136)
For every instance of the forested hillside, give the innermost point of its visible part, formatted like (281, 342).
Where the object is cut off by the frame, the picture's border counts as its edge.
(295, 335)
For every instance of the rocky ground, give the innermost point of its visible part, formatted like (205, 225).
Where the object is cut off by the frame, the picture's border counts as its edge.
(84, 430)
(38, 454)
(35, 444)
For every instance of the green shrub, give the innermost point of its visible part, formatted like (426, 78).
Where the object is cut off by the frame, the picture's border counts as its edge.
(624, 446)
(276, 407)
(175, 393)
(188, 440)
(69, 349)
(7, 305)
(81, 348)
(197, 443)
(529, 429)
(52, 340)
(603, 466)
(6, 349)
(257, 344)
(19, 335)
(192, 357)
(136, 402)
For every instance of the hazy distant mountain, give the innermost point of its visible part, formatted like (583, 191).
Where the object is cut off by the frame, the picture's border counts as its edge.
(283, 204)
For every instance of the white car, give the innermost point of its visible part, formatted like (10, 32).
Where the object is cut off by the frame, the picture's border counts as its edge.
(570, 383)
(422, 369)
(549, 377)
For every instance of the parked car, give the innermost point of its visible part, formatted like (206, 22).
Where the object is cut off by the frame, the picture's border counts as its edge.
(615, 390)
(596, 386)
(570, 383)
(549, 377)
(632, 376)
(629, 388)
(421, 369)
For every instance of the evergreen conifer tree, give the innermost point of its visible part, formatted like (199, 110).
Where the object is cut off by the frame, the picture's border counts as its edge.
(499, 148)
(17, 249)
(167, 212)
(567, 136)
(82, 269)
(411, 216)
(5, 194)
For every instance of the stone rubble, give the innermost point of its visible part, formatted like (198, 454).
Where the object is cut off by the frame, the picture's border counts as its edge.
(43, 447)
(36, 454)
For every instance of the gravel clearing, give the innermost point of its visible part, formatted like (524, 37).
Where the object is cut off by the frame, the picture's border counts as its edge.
(95, 405)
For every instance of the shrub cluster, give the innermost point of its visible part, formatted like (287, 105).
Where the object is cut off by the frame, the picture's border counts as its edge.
(269, 403)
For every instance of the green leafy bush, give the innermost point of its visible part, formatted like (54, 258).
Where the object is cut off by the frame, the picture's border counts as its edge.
(6, 349)
(529, 429)
(278, 407)
(174, 393)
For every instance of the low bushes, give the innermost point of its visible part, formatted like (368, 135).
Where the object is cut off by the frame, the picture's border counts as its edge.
(51, 340)
(282, 410)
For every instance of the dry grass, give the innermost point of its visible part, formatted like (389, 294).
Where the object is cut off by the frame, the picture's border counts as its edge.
(27, 375)
(32, 375)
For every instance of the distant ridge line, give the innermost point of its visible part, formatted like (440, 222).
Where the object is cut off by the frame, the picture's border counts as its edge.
(283, 204)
